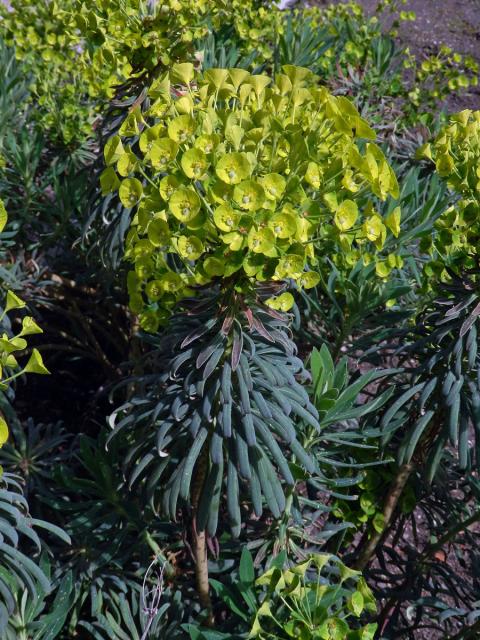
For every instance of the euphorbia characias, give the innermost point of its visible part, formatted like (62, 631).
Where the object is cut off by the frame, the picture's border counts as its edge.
(456, 155)
(238, 178)
(12, 345)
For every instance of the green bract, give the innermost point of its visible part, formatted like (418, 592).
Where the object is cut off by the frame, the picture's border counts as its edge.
(249, 195)
(456, 154)
(241, 177)
(190, 248)
(184, 204)
(346, 215)
(194, 163)
(232, 168)
(297, 602)
(226, 218)
(13, 345)
(158, 232)
(130, 192)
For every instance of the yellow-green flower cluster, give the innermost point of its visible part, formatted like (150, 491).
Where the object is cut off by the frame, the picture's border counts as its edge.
(142, 36)
(297, 601)
(257, 25)
(236, 177)
(129, 37)
(438, 75)
(78, 52)
(53, 59)
(338, 18)
(11, 345)
(352, 31)
(456, 154)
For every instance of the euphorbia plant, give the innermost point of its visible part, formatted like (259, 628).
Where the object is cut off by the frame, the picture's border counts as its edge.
(438, 402)
(18, 572)
(236, 178)
(241, 187)
(456, 154)
(12, 345)
(318, 598)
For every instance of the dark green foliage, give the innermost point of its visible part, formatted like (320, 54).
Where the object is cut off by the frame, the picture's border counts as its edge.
(34, 450)
(237, 408)
(440, 399)
(112, 536)
(289, 439)
(302, 44)
(19, 535)
(348, 432)
(220, 51)
(35, 614)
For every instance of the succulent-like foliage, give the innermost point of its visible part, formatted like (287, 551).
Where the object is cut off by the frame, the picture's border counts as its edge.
(18, 571)
(32, 450)
(232, 415)
(113, 531)
(441, 399)
(346, 450)
(35, 614)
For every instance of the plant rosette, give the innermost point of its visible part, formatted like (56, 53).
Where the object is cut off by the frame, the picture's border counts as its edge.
(238, 178)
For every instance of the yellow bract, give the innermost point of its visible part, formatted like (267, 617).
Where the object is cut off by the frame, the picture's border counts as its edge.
(346, 215)
(232, 168)
(456, 155)
(234, 192)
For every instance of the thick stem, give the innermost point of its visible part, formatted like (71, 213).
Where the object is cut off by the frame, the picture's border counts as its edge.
(201, 572)
(199, 539)
(368, 545)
